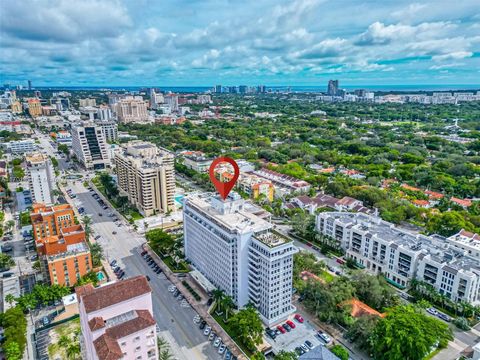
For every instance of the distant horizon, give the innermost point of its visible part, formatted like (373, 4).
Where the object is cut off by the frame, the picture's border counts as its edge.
(298, 88)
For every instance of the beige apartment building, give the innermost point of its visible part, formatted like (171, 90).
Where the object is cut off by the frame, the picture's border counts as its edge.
(146, 174)
(132, 109)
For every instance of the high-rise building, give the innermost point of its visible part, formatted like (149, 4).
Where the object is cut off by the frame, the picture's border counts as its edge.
(261, 89)
(239, 253)
(38, 94)
(29, 84)
(16, 107)
(104, 113)
(132, 109)
(172, 101)
(61, 245)
(218, 89)
(146, 174)
(34, 107)
(243, 89)
(332, 89)
(109, 129)
(90, 147)
(116, 321)
(41, 178)
(87, 102)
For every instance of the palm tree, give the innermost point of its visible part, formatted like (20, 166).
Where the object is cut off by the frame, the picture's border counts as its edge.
(10, 299)
(73, 351)
(217, 296)
(64, 342)
(87, 222)
(227, 304)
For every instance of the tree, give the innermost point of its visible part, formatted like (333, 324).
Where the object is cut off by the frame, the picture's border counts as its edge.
(13, 351)
(160, 241)
(373, 290)
(6, 261)
(247, 326)
(163, 349)
(303, 224)
(257, 356)
(286, 355)
(87, 222)
(227, 304)
(218, 296)
(96, 251)
(359, 332)
(407, 333)
(340, 351)
(447, 223)
(10, 299)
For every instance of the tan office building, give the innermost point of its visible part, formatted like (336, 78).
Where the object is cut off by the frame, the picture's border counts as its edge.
(132, 109)
(146, 174)
(34, 107)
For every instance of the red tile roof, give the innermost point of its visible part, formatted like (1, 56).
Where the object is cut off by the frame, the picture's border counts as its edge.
(434, 194)
(360, 309)
(142, 321)
(105, 296)
(464, 202)
(420, 202)
(107, 348)
(411, 188)
(96, 323)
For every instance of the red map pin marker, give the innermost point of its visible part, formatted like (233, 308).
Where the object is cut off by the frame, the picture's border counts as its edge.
(224, 188)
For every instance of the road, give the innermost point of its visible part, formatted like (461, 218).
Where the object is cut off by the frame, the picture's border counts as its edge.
(175, 322)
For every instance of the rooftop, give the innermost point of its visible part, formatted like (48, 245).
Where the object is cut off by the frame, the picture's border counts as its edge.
(95, 299)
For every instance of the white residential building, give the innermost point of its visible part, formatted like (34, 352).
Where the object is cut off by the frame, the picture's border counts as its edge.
(87, 102)
(109, 129)
(41, 178)
(90, 147)
(401, 256)
(132, 109)
(238, 252)
(20, 146)
(116, 321)
(104, 113)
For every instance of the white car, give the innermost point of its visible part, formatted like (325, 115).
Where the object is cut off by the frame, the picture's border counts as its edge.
(221, 349)
(207, 330)
(217, 342)
(324, 337)
(196, 319)
(432, 311)
(304, 347)
(211, 336)
(172, 288)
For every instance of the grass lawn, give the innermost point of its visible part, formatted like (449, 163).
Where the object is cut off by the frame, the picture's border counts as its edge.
(67, 329)
(219, 319)
(182, 266)
(325, 275)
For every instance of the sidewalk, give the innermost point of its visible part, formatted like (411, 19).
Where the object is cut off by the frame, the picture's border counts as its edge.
(200, 308)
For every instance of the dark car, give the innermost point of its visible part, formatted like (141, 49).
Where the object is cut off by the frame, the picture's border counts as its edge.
(309, 344)
(7, 275)
(202, 324)
(209, 302)
(116, 269)
(7, 248)
(286, 327)
(113, 263)
(120, 273)
(158, 271)
(271, 333)
(148, 277)
(143, 252)
(114, 232)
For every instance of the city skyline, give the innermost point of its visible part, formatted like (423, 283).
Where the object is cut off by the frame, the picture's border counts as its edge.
(303, 43)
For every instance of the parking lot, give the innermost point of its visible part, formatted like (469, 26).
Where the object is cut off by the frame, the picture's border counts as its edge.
(295, 337)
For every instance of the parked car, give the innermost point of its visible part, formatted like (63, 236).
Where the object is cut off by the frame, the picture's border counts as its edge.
(299, 318)
(113, 262)
(114, 232)
(148, 277)
(217, 342)
(45, 320)
(271, 333)
(444, 317)
(286, 327)
(7, 275)
(299, 350)
(309, 344)
(97, 237)
(281, 329)
(209, 302)
(432, 311)
(291, 324)
(221, 349)
(304, 347)
(324, 337)
(202, 324)
(143, 252)
(207, 330)
(158, 271)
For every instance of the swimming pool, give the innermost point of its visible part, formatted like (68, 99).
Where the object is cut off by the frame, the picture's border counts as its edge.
(179, 199)
(100, 276)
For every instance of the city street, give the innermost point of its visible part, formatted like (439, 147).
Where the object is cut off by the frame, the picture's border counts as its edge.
(175, 321)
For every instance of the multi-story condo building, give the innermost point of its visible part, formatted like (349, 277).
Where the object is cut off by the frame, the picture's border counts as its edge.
(401, 256)
(132, 109)
(34, 107)
(284, 184)
(196, 160)
(16, 107)
(41, 179)
(20, 146)
(146, 174)
(116, 321)
(90, 147)
(104, 113)
(64, 253)
(467, 241)
(109, 129)
(237, 251)
(87, 102)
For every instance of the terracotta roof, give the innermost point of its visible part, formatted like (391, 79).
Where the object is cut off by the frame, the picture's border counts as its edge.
(411, 188)
(434, 194)
(420, 202)
(115, 293)
(470, 235)
(360, 308)
(96, 323)
(107, 348)
(346, 200)
(464, 202)
(142, 321)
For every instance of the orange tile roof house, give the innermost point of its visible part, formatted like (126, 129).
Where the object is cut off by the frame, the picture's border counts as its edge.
(463, 203)
(64, 253)
(116, 320)
(359, 308)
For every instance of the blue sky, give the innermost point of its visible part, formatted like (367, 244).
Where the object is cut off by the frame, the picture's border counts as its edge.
(187, 43)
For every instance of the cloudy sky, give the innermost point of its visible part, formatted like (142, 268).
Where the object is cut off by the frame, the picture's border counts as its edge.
(204, 42)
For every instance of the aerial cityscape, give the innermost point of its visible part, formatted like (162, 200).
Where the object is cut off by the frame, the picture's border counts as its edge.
(216, 180)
